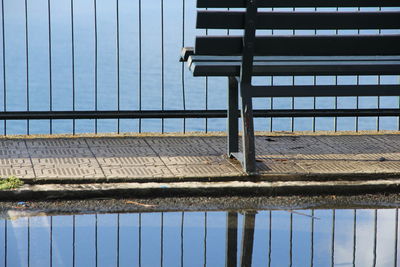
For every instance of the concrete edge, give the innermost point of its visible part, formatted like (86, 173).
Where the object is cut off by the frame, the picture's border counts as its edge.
(264, 188)
(270, 177)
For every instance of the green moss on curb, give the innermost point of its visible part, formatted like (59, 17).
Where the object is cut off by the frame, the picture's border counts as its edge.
(11, 182)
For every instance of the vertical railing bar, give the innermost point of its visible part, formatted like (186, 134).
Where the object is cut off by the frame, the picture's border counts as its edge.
(205, 240)
(95, 61)
(291, 241)
(312, 239)
(5, 240)
(375, 235)
(50, 64)
(357, 97)
(4, 65)
(357, 105)
(272, 83)
(118, 66)
(73, 240)
(354, 237)
(162, 65)
(333, 238)
(96, 240)
(396, 236)
(140, 240)
(182, 65)
(270, 239)
(27, 63)
(378, 119)
(336, 83)
(379, 106)
(51, 240)
(292, 119)
(140, 63)
(182, 222)
(315, 83)
(118, 225)
(29, 241)
(206, 86)
(73, 63)
(162, 240)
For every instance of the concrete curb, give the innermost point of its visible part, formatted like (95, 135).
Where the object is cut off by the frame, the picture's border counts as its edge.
(245, 188)
(270, 177)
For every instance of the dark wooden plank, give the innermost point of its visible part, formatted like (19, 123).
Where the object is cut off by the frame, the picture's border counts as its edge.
(325, 90)
(298, 3)
(300, 20)
(199, 58)
(302, 45)
(298, 68)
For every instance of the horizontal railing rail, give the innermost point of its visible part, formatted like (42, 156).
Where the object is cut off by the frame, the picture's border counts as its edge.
(119, 60)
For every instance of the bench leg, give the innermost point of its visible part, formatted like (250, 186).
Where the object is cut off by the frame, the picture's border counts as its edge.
(233, 131)
(249, 155)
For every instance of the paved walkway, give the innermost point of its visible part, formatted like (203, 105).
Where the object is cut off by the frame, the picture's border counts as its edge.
(179, 158)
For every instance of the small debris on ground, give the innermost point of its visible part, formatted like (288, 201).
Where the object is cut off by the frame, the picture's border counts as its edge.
(140, 204)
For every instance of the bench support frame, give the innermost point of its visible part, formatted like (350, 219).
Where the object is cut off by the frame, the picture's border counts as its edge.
(247, 158)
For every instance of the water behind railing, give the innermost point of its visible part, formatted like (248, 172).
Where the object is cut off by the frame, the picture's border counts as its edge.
(338, 237)
(123, 55)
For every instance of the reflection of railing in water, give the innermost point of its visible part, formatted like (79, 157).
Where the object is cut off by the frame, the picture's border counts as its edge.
(201, 238)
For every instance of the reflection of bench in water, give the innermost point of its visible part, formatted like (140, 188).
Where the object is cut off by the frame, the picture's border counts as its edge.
(246, 249)
(242, 57)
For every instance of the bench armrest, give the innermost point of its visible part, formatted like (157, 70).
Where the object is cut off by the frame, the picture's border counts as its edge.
(185, 53)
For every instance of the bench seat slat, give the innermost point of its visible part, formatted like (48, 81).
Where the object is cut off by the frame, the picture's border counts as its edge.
(298, 3)
(267, 68)
(293, 45)
(198, 58)
(325, 90)
(300, 20)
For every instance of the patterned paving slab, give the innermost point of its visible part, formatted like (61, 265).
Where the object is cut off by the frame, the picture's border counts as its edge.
(65, 161)
(122, 151)
(278, 166)
(20, 172)
(56, 142)
(336, 167)
(13, 153)
(130, 161)
(59, 152)
(116, 142)
(15, 162)
(175, 141)
(186, 151)
(194, 160)
(78, 171)
(12, 143)
(204, 170)
(137, 172)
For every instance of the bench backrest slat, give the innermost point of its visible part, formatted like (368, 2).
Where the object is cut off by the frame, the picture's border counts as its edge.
(383, 40)
(298, 3)
(301, 20)
(302, 45)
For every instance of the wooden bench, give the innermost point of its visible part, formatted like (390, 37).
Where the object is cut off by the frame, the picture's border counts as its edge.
(241, 57)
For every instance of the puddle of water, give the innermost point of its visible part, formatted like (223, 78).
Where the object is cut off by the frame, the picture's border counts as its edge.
(345, 237)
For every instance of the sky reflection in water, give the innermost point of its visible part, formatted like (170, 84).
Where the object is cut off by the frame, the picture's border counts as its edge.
(281, 238)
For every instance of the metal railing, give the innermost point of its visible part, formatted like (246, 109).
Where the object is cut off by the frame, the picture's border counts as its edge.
(267, 238)
(115, 62)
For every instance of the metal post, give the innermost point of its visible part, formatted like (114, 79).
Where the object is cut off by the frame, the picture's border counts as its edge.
(233, 146)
